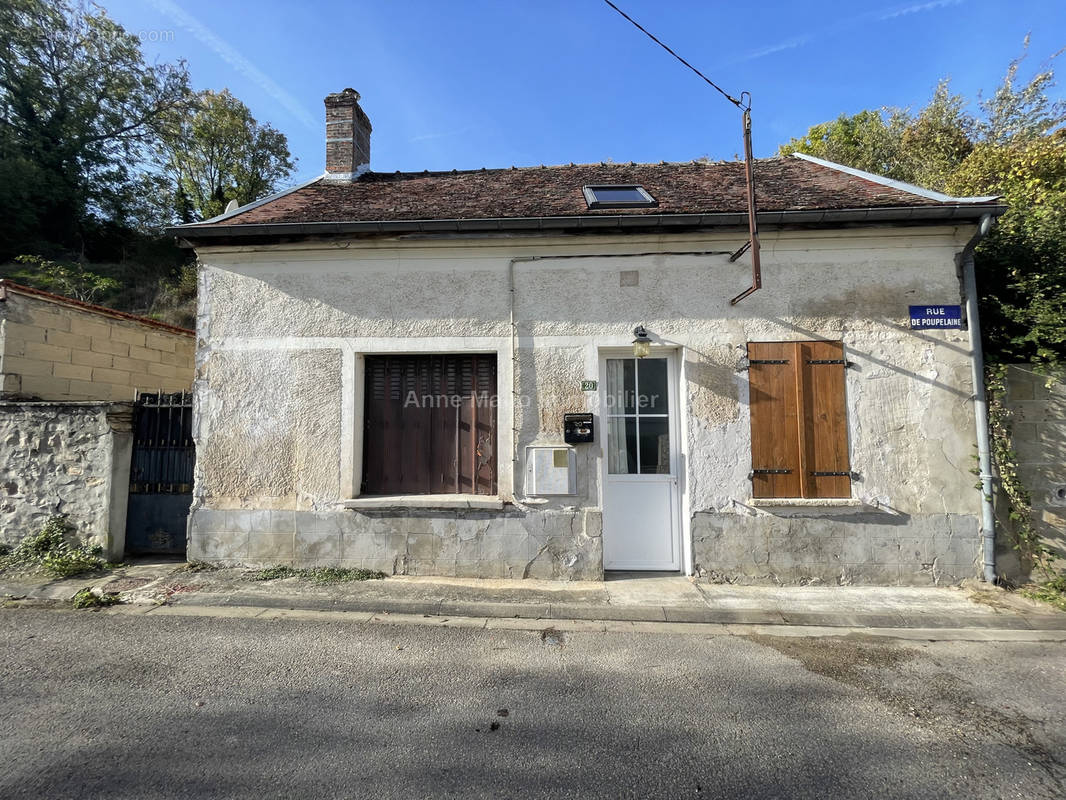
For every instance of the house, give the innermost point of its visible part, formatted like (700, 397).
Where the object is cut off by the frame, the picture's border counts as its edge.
(537, 372)
(70, 375)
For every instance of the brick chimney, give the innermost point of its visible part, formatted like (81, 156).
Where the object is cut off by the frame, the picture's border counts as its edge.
(347, 136)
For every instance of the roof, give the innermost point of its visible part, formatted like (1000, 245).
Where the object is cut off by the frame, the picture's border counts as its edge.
(697, 194)
(10, 287)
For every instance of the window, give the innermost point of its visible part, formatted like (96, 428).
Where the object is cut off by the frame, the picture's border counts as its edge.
(638, 417)
(430, 425)
(799, 434)
(625, 196)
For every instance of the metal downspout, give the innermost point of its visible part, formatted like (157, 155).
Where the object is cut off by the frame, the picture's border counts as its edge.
(980, 399)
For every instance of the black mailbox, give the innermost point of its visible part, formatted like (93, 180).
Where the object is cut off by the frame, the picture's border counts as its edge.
(577, 428)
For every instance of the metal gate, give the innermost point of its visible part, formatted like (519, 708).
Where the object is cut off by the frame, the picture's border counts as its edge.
(160, 474)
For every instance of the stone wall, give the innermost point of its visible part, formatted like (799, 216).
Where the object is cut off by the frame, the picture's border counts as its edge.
(836, 546)
(1038, 419)
(557, 545)
(56, 350)
(66, 458)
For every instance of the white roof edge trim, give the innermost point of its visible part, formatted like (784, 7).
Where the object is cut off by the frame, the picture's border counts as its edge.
(255, 203)
(894, 184)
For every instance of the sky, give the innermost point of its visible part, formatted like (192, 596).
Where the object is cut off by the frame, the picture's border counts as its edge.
(464, 84)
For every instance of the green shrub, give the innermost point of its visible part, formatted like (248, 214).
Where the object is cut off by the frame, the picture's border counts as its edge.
(1052, 592)
(86, 599)
(51, 552)
(274, 574)
(326, 575)
(320, 575)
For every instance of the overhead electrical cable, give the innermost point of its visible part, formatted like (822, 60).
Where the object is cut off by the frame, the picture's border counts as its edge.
(666, 47)
(749, 170)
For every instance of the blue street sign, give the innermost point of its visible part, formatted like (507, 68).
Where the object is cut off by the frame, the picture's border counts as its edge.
(923, 317)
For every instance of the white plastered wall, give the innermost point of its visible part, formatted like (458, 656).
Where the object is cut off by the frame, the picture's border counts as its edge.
(298, 318)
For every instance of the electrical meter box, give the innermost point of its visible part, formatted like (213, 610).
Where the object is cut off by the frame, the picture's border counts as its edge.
(577, 429)
(550, 471)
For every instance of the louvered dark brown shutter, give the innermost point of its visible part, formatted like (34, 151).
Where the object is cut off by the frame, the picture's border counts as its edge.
(430, 424)
(799, 435)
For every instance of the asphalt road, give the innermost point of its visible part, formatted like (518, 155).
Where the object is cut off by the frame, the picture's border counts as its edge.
(134, 707)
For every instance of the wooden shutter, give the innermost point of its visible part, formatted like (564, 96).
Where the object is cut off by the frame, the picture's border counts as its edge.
(799, 437)
(775, 453)
(827, 471)
(430, 424)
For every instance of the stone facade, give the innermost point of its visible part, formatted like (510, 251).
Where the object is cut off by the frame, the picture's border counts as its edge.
(278, 394)
(1038, 421)
(66, 458)
(54, 348)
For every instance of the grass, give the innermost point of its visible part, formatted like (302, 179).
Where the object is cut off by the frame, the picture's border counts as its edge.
(198, 566)
(86, 599)
(54, 552)
(320, 575)
(1052, 592)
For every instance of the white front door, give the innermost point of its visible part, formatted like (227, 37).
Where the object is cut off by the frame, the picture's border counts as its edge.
(640, 508)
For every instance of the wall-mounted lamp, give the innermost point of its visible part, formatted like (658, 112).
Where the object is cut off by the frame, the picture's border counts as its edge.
(642, 344)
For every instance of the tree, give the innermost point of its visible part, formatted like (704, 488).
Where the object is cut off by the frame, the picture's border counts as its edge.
(869, 140)
(215, 151)
(78, 108)
(1022, 263)
(921, 149)
(69, 280)
(1013, 146)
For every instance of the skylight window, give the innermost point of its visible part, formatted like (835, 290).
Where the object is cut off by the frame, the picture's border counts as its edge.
(619, 196)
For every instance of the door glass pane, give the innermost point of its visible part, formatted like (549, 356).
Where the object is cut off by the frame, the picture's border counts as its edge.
(621, 386)
(653, 386)
(654, 445)
(621, 445)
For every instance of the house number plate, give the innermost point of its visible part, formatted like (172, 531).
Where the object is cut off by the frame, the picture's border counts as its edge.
(588, 386)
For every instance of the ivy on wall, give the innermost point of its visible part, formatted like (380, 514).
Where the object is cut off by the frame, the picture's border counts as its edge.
(1019, 512)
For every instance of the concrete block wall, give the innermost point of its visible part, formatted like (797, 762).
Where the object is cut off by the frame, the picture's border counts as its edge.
(1038, 420)
(52, 350)
(66, 458)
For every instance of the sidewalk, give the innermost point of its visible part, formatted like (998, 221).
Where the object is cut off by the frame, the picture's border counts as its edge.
(622, 598)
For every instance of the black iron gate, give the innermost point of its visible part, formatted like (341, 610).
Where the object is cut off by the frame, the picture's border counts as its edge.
(160, 474)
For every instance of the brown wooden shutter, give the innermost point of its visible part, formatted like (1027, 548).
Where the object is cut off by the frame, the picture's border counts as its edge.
(430, 424)
(799, 434)
(827, 470)
(775, 454)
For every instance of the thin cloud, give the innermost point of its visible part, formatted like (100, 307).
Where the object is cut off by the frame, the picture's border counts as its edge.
(842, 25)
(232, 57)
(777, 48)
(918, 8)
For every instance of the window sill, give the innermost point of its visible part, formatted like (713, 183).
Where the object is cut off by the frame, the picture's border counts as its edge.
(805, 502)
(425, 501)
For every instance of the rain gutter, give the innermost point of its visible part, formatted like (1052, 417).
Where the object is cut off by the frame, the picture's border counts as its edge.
(606, 222)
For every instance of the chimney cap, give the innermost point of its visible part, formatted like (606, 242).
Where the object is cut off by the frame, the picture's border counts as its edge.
(349, 97)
